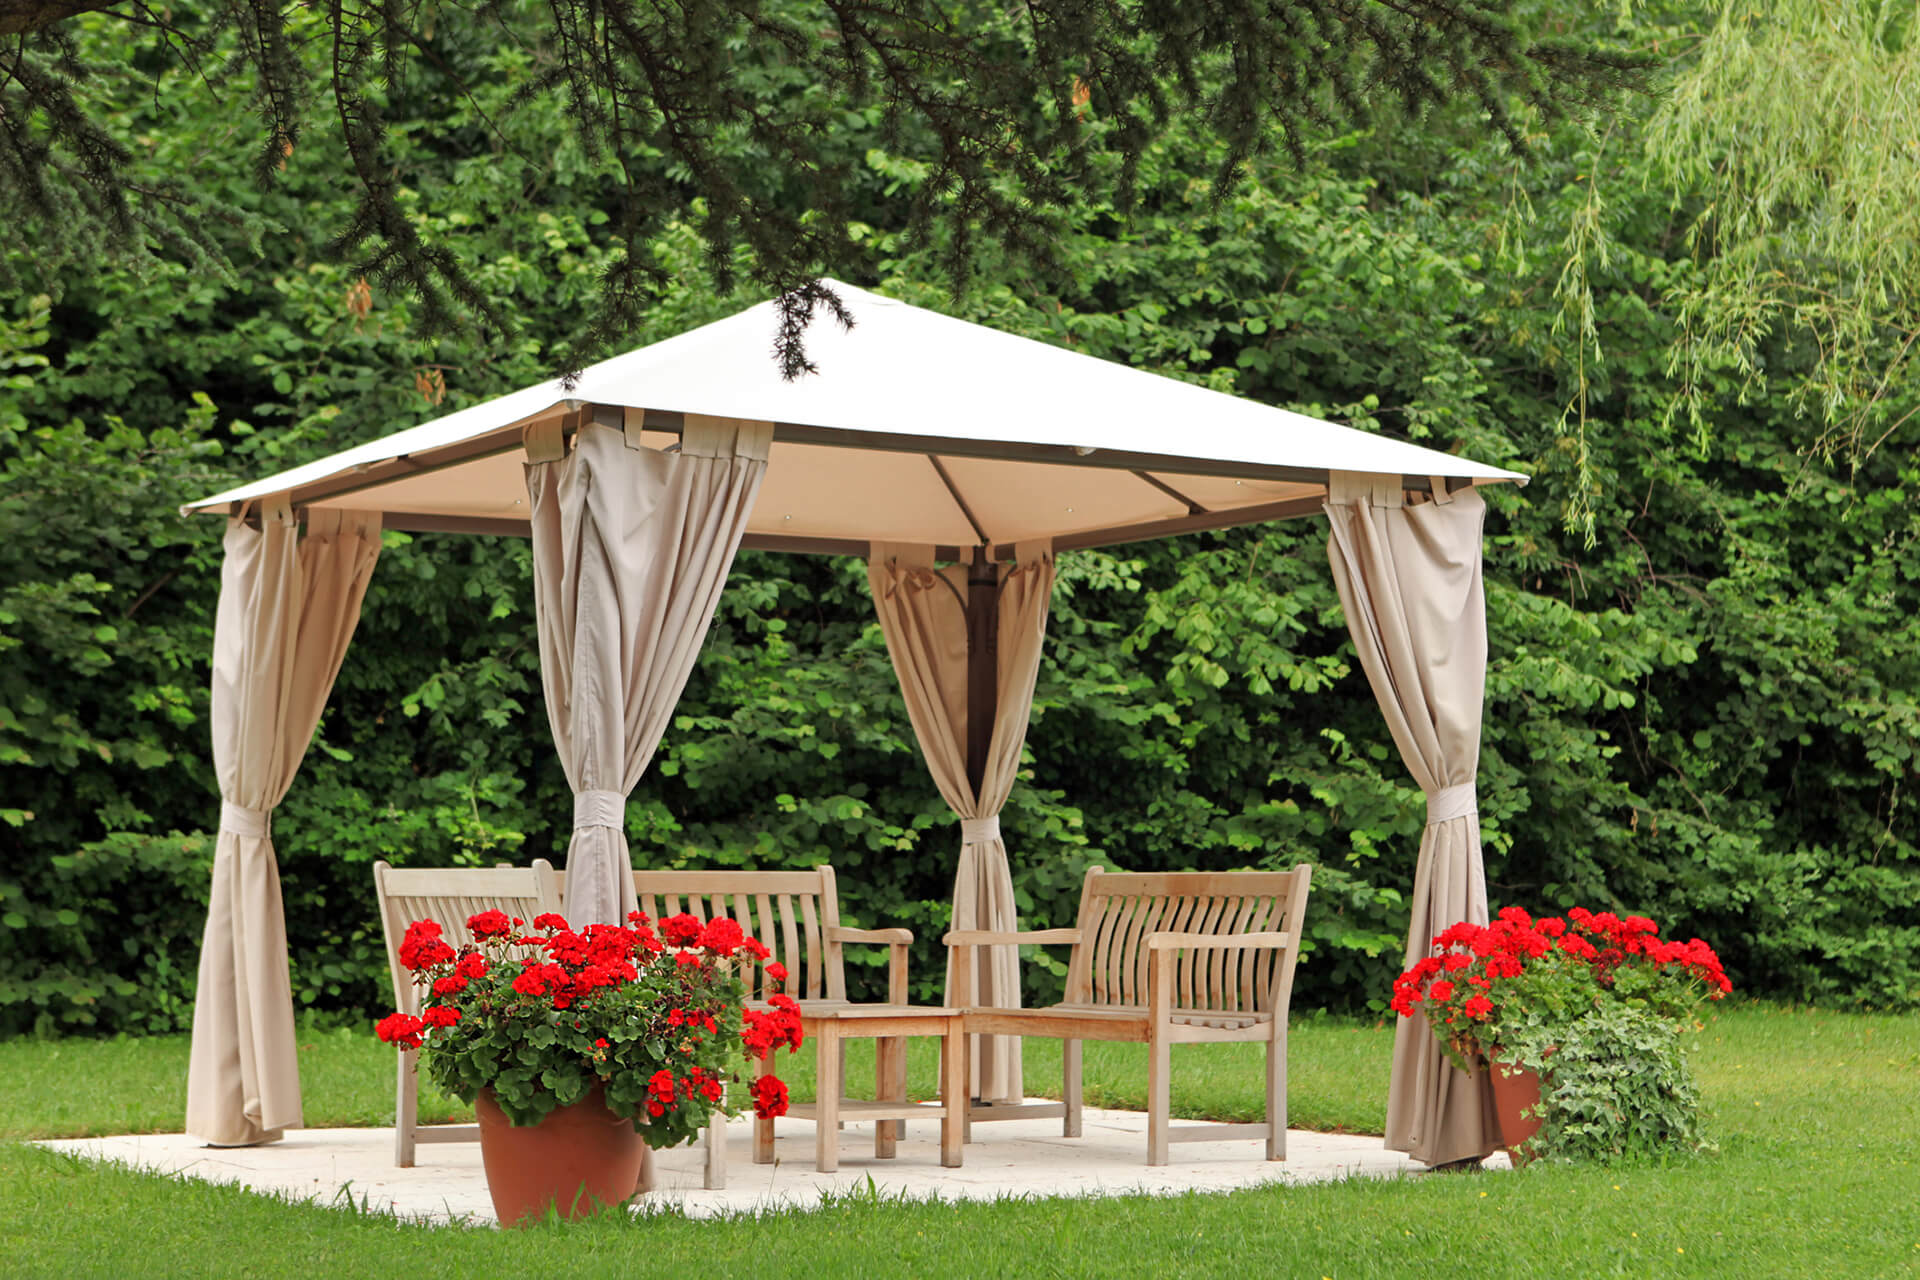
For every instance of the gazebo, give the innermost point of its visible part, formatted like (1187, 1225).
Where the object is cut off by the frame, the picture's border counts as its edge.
(958, 461)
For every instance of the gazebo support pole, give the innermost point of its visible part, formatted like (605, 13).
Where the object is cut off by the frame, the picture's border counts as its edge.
(983, 671)
(983, 662)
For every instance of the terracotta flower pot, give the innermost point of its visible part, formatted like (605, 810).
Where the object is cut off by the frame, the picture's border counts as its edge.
(1515, 1090)
(577, 1160)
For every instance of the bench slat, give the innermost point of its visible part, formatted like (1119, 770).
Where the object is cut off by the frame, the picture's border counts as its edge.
(1175, 918)
(816, 980)
(725, 882)
(1194, 987)
(796, 971)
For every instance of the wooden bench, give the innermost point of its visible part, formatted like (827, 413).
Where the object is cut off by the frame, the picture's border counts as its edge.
(1161, 959)
(796, 916)
(446, 895)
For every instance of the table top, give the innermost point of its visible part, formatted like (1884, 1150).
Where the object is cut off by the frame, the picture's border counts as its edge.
(851, 1012)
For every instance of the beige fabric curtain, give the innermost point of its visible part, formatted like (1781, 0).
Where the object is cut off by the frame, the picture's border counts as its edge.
(631, 548)
(923, 615)
(288, 607)
(1409, 579)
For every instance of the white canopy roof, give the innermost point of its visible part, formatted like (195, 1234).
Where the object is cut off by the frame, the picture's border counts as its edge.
(917, 428)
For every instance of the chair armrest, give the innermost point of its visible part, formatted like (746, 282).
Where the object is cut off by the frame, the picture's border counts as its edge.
(893, 937)
(896, 942)
(1214, 941)
(989, 937)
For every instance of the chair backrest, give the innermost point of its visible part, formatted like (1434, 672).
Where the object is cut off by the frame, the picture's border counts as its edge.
(448, 895)
(790, 912)
(1119, 909)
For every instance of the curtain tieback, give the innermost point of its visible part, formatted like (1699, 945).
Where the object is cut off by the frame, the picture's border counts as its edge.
(1451, 802)
(980, 830)
(243, 821)
(599, 809)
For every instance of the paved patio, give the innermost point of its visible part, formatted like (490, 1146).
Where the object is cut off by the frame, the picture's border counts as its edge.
(1013, 1158)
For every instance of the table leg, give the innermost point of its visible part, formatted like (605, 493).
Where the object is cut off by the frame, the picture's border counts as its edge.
(954, 1088)
(889, 1085)
(827, 1089)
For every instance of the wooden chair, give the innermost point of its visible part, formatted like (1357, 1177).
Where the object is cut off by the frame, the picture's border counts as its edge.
(447, 895)
(796, 916)
(1162, 959)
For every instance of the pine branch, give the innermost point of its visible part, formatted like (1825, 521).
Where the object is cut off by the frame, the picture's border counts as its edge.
(988, 99)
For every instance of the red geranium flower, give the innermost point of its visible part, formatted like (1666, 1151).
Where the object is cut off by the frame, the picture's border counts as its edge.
(400, 1029)
(681, 930)
(422, 947)
(769, 1097)
(489, 924)
(721, 936)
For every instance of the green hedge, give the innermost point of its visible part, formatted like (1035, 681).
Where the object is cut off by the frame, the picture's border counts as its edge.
(1707, 714)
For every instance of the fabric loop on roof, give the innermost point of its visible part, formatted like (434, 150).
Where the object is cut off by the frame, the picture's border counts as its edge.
(704, 437)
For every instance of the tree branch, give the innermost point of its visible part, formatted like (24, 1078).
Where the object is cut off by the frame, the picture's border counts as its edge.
(18, 17)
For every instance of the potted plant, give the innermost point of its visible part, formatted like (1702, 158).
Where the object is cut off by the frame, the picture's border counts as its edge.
(1602, 1000)
(583, 1050)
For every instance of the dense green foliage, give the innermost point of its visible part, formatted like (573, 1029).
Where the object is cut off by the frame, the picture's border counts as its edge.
(1707, 713)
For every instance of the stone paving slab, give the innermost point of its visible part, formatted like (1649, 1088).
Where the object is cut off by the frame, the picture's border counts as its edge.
(1010, 1158)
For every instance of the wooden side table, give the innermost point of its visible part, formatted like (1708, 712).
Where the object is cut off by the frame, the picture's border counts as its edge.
(890, 1024)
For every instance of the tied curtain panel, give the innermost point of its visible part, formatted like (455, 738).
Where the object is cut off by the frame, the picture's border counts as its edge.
(631, 548)
(922, 610)
(1409, 580)
(288, 608)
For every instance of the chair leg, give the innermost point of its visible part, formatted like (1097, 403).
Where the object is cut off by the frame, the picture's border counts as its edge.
(889, 1085)
(1277, 1097)
(1070, 1089)
(843, 1077)
(1159, 1098)
(406, 1110)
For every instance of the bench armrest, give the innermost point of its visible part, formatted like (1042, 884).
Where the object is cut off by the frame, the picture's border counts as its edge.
(1214, 941)
(896, 941)
(963, 941)
(989, 937)
(893, 937)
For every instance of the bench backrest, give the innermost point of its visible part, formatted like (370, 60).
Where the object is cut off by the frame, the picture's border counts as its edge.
(790, 913)
(1119, 909)
(448, 895)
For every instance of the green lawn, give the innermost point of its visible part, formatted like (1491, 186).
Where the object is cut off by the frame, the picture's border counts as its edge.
(1816, 1115)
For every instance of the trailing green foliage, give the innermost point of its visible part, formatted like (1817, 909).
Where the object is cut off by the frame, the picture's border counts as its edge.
(1615, 1083)
(1707, 713)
